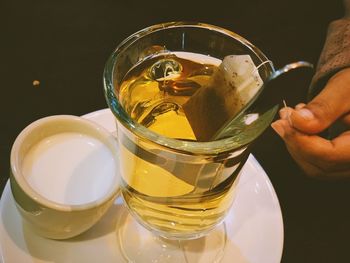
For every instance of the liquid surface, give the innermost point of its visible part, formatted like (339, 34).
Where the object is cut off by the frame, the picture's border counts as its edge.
(70, 168)
(154, 93)
(189, 96)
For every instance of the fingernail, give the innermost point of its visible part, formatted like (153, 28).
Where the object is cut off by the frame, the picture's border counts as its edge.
(278, 129)
(284, 113)
(305, 113)
(300, 106)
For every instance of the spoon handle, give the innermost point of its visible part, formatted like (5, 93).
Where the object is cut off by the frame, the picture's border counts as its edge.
(271, 94)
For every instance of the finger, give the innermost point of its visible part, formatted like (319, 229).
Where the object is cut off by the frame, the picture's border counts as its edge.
(346, 120)
(317, 172)
(285, 112)
(307, 167)
(300, 106)
(326, 155)
(328, 106)
(282, 127)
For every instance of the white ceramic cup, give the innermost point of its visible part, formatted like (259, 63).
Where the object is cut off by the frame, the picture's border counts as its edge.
(58, 218)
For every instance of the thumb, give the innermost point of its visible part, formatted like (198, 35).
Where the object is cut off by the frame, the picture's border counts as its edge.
(326, 107)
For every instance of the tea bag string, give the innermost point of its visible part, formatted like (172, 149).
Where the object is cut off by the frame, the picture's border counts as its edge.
(261, 64)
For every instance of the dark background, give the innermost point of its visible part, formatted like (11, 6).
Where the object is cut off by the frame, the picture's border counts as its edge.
(64, 44)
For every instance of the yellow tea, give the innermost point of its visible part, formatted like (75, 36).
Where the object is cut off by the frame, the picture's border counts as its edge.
(166, 191)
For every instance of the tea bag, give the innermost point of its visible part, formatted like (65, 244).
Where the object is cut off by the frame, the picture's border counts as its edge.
(241, 73)
(234, 83)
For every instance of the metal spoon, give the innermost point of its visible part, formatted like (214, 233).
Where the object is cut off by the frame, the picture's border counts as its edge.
(269, 96)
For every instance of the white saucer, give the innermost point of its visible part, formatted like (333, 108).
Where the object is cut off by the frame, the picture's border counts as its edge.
(254, 226)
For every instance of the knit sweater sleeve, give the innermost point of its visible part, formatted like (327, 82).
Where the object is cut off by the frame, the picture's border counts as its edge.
(336, 52)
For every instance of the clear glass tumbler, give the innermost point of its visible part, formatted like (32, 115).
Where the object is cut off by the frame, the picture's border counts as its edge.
(176, 186)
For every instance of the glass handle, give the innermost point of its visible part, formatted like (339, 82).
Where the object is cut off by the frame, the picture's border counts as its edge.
(290, 67)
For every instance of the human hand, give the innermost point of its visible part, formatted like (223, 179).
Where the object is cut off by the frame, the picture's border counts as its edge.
(299, 128)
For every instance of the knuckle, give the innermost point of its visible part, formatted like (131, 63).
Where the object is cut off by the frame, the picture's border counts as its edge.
(341, 76)
(322, 109)
(322, 171)
(317, 174)
(328, 164)
(328, 168)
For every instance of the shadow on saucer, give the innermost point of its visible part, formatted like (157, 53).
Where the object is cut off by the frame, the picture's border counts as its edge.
(106, 225)
(98, 244)
(138, 244)
(12, 221)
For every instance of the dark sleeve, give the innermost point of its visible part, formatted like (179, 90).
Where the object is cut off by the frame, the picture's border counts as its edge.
(336, 52)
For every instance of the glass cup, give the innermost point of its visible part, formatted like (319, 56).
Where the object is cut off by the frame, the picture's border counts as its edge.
(175, 186)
